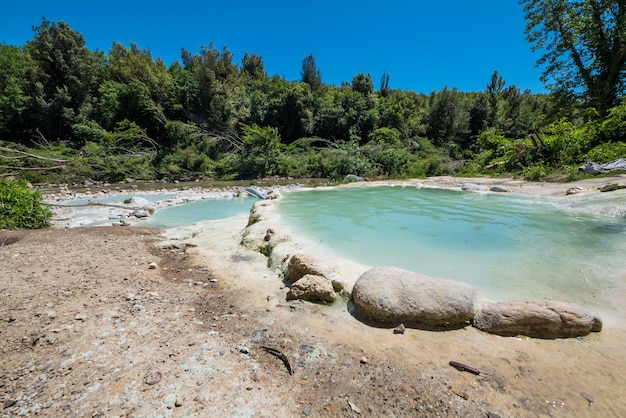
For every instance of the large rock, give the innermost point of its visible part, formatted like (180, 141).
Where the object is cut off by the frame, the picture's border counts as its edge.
(539, 319)
(312, 288)
(392, 296)
(301, 265)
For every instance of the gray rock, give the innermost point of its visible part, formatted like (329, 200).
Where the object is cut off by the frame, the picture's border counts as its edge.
(353, 177)
(390, 296)
(137, 201)
(471, 187)
(141, 213)
(539, 319)
(313, 289)
(499, 188)
(610, 187)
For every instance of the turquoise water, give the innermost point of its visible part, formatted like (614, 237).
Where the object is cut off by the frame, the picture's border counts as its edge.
(200, 210)
(507, 247)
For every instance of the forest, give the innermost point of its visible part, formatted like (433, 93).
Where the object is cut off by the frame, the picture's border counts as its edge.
(68, 114)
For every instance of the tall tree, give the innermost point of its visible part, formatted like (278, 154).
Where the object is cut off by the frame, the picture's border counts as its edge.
(66, 70)
(311, 74)
(585, 47)
(14, 66)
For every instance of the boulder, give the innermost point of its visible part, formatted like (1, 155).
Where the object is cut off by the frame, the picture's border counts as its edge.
(299, 266)
(539, 319)
(141, 213)
(313, 289)
(392, 296)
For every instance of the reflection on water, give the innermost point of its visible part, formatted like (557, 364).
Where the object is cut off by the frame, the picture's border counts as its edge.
(506, 246)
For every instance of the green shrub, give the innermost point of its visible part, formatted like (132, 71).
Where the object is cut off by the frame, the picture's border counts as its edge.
(21, 207)
(607, 152)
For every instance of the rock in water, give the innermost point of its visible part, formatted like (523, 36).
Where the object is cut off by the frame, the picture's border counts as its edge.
(390, 295)
(539, 319)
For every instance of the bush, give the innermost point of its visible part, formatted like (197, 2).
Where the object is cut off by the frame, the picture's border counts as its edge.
(21, 207)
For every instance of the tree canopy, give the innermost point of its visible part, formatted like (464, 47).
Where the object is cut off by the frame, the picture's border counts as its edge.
(584, 47)
(68, 113)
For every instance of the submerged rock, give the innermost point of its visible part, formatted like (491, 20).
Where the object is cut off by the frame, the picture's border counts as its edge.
(392, 296)
(539, 319)
(313, 289)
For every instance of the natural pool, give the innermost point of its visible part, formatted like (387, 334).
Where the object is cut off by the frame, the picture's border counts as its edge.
(200, 210)
(508, 247)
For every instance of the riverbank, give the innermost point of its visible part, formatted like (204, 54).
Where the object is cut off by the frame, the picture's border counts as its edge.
(89, 328)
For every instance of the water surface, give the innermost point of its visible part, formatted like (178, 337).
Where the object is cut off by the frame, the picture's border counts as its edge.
(508, 247)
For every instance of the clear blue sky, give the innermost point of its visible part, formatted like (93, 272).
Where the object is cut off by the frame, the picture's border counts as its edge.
(423, 45)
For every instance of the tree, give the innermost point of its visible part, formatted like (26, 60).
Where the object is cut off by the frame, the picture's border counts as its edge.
(585, 47)
(253, 66)
(311, 74)
(66, 71)
(14, 66)
(363, 83)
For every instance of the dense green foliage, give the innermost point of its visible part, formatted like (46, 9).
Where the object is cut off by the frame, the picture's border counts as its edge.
(67, 114)
(21, 207)
(584, 48)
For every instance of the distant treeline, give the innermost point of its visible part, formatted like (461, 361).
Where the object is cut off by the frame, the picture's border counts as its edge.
(68, 113)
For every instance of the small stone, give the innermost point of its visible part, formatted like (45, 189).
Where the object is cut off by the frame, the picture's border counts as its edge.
(307, 411)
(364, 360)
(152, 265)
(153, 379)
(354, 408)
(52, 314)
(399, 329)
(244, 350)
(9, 403)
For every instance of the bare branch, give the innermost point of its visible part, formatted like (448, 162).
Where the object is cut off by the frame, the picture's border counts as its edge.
(39, 157)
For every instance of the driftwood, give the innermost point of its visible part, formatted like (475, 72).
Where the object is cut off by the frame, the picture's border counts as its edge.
(281, 356)
(464, 368)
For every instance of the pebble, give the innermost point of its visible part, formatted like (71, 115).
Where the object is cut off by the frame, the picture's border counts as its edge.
(307, 411)
(399, 329)
(152, 265)
(153, 379)
(364, 360)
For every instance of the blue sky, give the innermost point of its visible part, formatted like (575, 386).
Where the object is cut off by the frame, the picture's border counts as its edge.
(422, 45)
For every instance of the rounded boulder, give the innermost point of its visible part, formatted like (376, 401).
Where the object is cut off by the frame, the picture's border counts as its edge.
(390, 296)
(537, 318)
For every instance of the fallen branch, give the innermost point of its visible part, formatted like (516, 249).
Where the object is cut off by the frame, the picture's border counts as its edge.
(281, 356)
(31, 168)
(39, 157)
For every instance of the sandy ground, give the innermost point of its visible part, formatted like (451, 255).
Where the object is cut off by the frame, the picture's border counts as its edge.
(87, 328)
